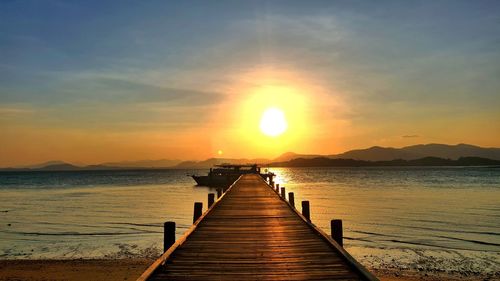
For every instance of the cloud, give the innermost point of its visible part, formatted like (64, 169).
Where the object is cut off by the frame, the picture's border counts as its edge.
(108, 101)
(15, 112)
(410, 136)
(106, 90)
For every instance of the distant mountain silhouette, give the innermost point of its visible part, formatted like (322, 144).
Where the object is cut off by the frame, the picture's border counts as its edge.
(59, 167)
(287, 156)
(161, 163)
(426, 161)
(378, 153)
(216, 161)
(44, 164)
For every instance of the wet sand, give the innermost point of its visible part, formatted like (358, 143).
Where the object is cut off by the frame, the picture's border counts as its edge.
(130, 269)
(78, 270)
(408, 275)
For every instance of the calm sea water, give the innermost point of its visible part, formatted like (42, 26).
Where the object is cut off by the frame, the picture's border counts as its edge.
(430, 219)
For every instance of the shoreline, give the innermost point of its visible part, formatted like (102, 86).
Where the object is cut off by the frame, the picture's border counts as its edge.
(77, 269)
(131, 269)
(414, 275)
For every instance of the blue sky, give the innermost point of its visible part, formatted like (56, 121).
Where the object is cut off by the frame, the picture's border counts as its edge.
(105, 75)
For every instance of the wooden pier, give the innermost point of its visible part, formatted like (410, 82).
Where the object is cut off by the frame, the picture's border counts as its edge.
(252, 233)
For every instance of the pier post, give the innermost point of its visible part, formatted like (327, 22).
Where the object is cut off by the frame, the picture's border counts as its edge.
(198, 208)
(278, 187)
(219, 192)
(211, 199)
(337, 232)
(305, 210)
(168, 235)
(283, 193)
(291, 199)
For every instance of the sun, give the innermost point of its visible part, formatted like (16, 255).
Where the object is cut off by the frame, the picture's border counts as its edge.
(273, 122)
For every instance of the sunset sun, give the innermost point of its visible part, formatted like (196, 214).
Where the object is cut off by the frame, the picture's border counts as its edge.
(273, 122)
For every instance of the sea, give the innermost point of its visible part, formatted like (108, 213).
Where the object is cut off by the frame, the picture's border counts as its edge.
(426, 219)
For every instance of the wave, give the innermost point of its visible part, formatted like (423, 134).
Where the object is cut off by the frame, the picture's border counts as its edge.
(432, 245)
(179, 226)
(364, 239)
(71, 233)
(374, 233)
(105, 226)
(440, 236)
(468, 240)
(438, 229)
(138, 224)
(358, 239)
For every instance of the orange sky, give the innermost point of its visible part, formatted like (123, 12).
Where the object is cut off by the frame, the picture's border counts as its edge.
(86, 86)
(319, 122)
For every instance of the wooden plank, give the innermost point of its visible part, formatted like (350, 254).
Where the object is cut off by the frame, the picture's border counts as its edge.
(252, 233)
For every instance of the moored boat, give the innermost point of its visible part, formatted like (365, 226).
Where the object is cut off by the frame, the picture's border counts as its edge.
(226, 174)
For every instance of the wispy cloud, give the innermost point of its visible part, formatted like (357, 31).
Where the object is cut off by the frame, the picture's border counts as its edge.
(105, 90)
(15, 110)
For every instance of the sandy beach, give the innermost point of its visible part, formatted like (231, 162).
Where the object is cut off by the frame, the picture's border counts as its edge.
(409, 275)
(96, 270)
(130, 269)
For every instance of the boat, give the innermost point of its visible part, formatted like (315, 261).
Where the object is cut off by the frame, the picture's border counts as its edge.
(225, 174)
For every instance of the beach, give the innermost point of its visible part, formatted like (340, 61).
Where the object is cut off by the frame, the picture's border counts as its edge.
(131, 269)
(80, 269)
(401, 223)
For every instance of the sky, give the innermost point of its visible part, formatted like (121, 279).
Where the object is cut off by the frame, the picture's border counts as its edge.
(96, 81)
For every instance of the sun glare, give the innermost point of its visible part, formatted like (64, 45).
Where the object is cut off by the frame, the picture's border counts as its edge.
(273, 122)
(269, 116)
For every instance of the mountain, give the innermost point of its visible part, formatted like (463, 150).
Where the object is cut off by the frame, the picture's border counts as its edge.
(287, 156)
(217, 161)
(59, 167)
(454, 151)
(161, 163)
(44, 164)
(378, 153)
(426, 161)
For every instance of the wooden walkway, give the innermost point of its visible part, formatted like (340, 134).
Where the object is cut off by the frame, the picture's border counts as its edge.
(250, 233)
